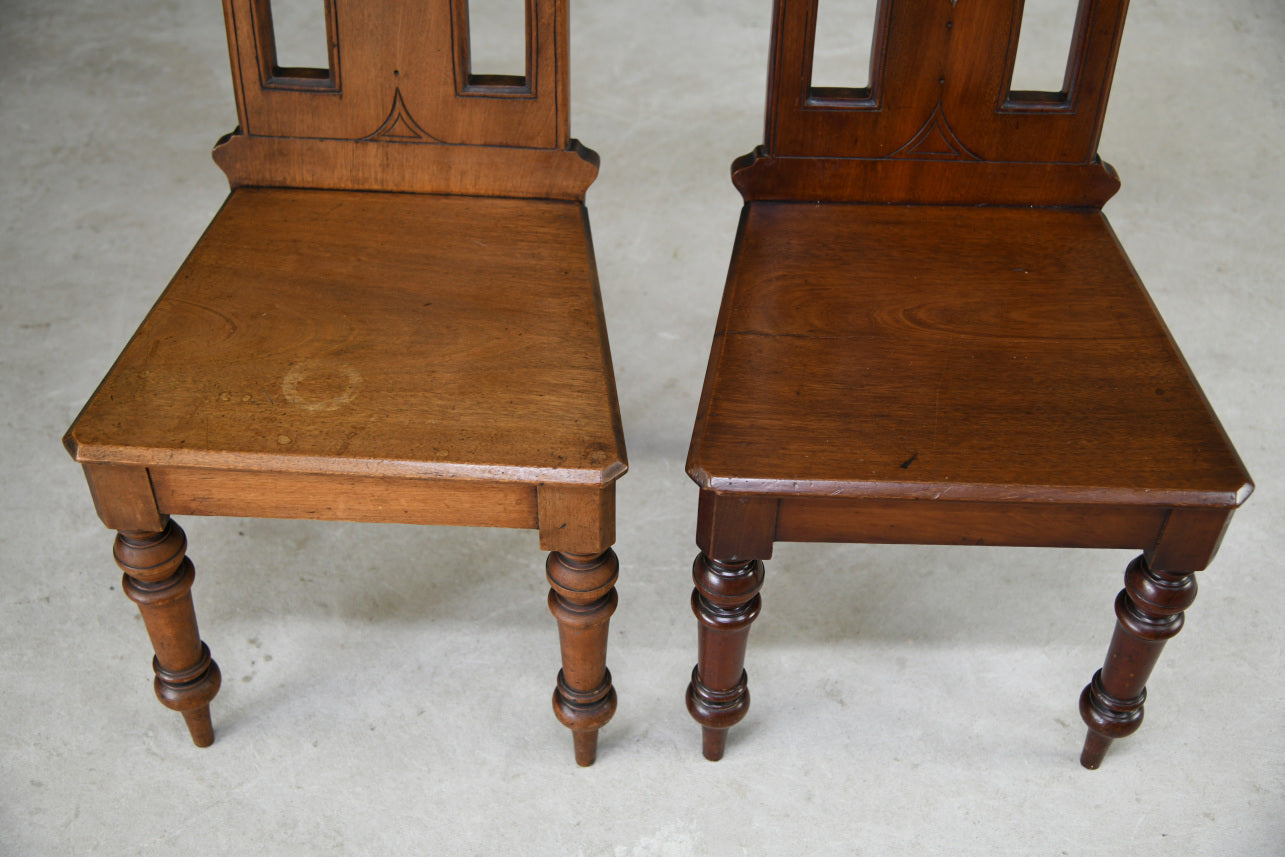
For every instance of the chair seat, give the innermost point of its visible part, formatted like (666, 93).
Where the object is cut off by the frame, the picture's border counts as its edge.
(949, 352)
(371, 334)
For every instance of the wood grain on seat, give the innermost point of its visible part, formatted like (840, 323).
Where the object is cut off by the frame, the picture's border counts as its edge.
(920, 352)
(372, 334)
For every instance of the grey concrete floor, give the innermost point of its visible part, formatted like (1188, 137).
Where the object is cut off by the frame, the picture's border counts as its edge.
(907, 700)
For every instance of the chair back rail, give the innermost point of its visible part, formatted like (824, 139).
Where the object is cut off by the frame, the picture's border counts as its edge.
(939, 122)
(399, 107)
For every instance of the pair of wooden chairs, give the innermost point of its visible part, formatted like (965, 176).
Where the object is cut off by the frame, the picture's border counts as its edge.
(929, 335)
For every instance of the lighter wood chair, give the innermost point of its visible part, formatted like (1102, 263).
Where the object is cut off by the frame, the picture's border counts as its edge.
(394, 317)
(930, 335)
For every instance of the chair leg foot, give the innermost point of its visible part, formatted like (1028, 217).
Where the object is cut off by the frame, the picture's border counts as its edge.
(726, 602)
(582, 597)
(200, 726)
(713, 742)
(158, 578)
(1149, 611)
(585, 742)
(1095, 750)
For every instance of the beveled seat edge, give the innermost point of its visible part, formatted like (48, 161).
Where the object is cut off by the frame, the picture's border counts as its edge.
(1229, 498)
(327, 465)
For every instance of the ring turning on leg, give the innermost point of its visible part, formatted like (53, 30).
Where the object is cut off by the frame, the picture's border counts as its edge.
(158, 578)
(726, 602)
(1149, 610)
(582, 598)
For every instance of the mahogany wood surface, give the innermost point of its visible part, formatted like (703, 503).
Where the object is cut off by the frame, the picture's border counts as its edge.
(371, 334)
(404, 82)
(930, 335)
(939, 122)
(944, 352)
(394, 317)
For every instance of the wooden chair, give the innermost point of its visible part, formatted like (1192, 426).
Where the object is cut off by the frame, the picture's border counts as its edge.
(930, 335)
(394, 317)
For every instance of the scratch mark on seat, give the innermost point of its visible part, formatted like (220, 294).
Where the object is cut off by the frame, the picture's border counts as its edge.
(224, 317)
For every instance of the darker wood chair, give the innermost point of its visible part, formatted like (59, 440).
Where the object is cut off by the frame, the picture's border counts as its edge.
(394, 317)
(930, 335)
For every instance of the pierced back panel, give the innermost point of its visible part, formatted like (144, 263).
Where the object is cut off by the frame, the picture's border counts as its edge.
(939, 122)
(399, 108)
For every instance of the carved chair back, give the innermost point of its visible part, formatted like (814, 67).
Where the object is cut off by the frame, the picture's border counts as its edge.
(939, 121)
(399, 106)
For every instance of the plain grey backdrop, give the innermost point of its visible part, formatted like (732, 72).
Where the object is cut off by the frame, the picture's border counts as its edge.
(907, 700)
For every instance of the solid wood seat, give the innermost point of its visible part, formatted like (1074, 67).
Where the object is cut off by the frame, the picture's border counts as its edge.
(950, 353)
(394, 317)
(371, 335)
(930, 335)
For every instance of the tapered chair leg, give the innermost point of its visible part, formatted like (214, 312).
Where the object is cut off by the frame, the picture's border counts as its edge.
(582, 598)
(158, 578)
(726, 602)
(1148, 612)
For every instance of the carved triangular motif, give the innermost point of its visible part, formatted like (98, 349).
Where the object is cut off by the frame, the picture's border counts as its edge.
(400, 126)
(401, 130)
(936, 141)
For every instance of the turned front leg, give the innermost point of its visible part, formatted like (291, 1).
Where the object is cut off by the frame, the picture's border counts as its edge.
(582, 598)
(725, 602)
(158, 578)
(1148, 612)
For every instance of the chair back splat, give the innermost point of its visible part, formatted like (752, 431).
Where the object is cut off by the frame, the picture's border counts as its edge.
(939, 121)
(400, 108)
